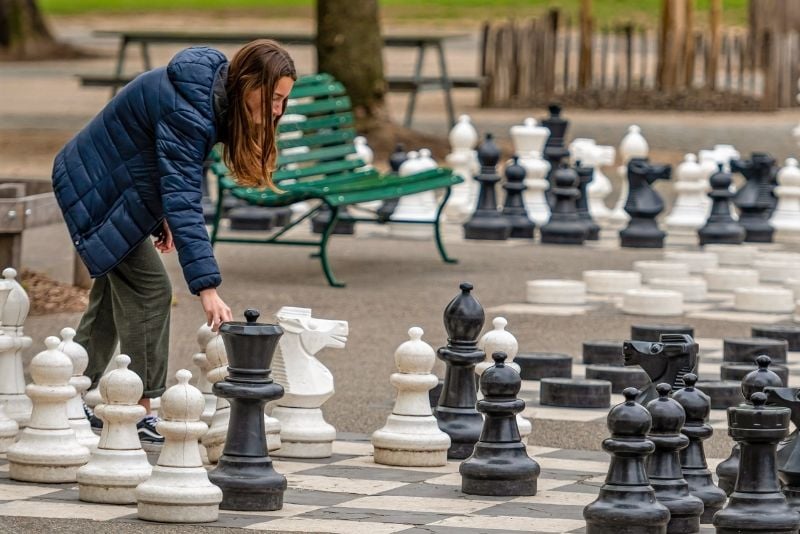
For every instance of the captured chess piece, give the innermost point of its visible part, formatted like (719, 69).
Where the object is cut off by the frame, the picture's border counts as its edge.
(178, 491)
(664, 465)
(627, 502)
(77, 416)
(244, 473)
(755, 199)
(565, 226)
(643, 205)
(757, 504)
(411, 436)
(118, 464)
(500, 464)
(514, 205)
(487, 222)
(667, 360)
(697, 406)
(720, 226)
(585, 177)
(455, 411)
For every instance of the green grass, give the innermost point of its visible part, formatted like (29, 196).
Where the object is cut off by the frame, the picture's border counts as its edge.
(607, 12)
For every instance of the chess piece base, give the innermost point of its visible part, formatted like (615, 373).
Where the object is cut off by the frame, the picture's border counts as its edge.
(304, 433)
(499, 469)
(111, 476)
(47, 456)
(410, 441)
(248, 484)
(182, 496)
(563, 232)
(538, 365)
(633, 507)
(251, 218)
(642, 233)
(345, 225)
(495, 228)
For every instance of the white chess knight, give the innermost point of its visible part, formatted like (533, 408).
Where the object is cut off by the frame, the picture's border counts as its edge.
(119, 463)
(590, 154)
(15, 306)
(306, 382)
(529, 139)
(411, 436)
(463, 160)
(501, 340)
(786, 217)
(204, 335)
(633, 145)
(77, 416)
(47, 449)
(178, 491)
(419, 206)
(689, 210)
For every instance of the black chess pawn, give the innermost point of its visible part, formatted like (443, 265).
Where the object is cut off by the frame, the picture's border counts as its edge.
(697, 406)
(396, 159)
(514, 205)
(755, 199)
(627, 501)
(664, 465)
(487, 222)
(565, 226)
(455, 412)
(500, 464)
(643, 205)
(753, 382)
(720, 226)
(757, 504)
(788, 449)
(585, 177)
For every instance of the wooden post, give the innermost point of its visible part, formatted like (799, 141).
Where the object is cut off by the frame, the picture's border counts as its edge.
(688, 46)
(673, 30)
(585, 59)
(769, 100)
(712, 63)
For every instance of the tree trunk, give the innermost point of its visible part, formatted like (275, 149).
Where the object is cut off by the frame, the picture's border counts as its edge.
(350, 47)
(23, 32)
(585, 58)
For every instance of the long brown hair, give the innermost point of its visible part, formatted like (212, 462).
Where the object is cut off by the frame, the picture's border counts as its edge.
(250, 151)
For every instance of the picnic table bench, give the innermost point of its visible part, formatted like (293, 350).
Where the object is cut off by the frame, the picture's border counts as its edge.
(326, 174)
(412, 84)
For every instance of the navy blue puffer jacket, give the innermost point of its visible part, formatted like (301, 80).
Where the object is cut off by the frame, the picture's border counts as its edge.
(140, 160)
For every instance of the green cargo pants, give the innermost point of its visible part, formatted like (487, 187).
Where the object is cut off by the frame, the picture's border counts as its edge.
(130, 304)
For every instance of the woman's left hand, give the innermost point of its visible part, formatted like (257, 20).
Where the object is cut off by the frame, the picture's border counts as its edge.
(164, 243)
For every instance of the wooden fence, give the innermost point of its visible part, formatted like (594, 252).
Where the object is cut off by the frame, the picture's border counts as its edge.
(534, 61)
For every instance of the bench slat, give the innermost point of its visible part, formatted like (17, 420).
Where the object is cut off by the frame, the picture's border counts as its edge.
(317, 123)
(335, 137)
(318, 89)
(320, 106)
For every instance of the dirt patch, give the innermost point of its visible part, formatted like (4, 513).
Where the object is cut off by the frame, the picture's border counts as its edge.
(50, 296)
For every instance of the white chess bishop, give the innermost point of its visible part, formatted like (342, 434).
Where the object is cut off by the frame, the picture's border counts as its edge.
(411, 436)
(633, 145)
(204, 335)
(590, 154)
(501, 340)
(786, 217)
(47, 449)
(463, 160)
(12, 342)
(529, 139)
(118, 464)
(77, 417)
(307, 383)
(689, 210)
(178, 491)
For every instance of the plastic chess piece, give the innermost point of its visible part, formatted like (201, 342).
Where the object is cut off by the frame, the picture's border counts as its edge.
(500, 464)
(757, 504)
(667, 360)
(590, 154)
(118, 464)
(755, 199)
(529, 139)
(554, 149)
(688, 212)
(77, 416)
(627, 501)
(644, 204)
(363, 152)
(419, 206)
(214, 439)
(514, 205)
(16, 306)
(396, 160)
(664, 465)
(47, 449)
(204, 335)
(721, 227)
(565, 226)
(788, 453)
(455, 412)
(633, 145)
(585, 178)
(8, 430)
(411, 436)
(463, 160)
(178, 491)
(697, 406)
(487, 222)
(786, 217)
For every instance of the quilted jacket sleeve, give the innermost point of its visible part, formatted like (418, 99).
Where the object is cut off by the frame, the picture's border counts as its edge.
(181, 140)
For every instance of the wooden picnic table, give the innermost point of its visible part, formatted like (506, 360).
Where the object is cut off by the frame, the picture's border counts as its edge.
(413, 84)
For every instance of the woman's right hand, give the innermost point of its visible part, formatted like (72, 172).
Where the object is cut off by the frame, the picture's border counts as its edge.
(217, 312)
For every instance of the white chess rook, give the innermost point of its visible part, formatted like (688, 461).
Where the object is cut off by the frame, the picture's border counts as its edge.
(178, 491)
(118, 464)
(529, 139)
(77, 416)
(307, 383)
(47, 450)
(12, 380)
(411, 436)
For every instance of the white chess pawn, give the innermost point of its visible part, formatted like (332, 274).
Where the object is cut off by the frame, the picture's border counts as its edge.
(529, 139)
(463, 137)
(501, 340)
(786, 217)
(363, 152)
(12, 379)
(119, 463)
(419, 206)
(689, 210)
(204, 335)
(178, 491)
(47, 450)
(633, 145)
(77, 416)
(411, 436)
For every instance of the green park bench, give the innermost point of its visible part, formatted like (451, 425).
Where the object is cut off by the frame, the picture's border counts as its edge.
(325, 176)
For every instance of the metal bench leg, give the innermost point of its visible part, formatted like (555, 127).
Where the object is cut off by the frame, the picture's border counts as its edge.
(412, 98)
(323, 248)
(217, 215)
(438, 230)
(446, 86)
